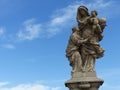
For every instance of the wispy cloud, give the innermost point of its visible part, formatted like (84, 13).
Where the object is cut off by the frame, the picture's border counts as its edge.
(62, 19)
(2, 31)
(30, 30)
(3, 84)
(104, 8)
(7, 46)
(65, 18)
(29, 87)
(98, 4)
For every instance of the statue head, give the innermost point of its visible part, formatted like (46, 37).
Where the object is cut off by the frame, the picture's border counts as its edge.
(94, 13)
(83, 10)
(74, 29)
(102, 23)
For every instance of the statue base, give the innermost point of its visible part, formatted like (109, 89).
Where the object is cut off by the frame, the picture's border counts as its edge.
(84, 81)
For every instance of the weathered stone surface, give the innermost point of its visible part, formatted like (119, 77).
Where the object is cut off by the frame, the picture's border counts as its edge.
(84, 85)
(84, 81)
(83, 49)
(84, 77)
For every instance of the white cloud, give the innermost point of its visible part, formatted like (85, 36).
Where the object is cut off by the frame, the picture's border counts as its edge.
(30, 87)
(98, 4)
(66, 17)
(104, 8)
(59, 21)
(56, 88)
(30, 30)
(7, 46)
(3, 83)
(63, 19)
(2, 31)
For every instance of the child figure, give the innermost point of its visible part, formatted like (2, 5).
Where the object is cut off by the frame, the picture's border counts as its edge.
(95, 22)
(96, 29)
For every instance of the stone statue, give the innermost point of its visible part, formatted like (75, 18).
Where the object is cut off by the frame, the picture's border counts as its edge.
(72, 51)
(83, 49)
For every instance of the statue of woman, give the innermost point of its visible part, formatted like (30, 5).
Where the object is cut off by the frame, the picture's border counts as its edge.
(82, 16)
(83, 47)
(72, 51)
(91, 30)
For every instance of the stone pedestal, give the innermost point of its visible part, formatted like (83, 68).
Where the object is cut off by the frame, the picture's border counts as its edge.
(84, 81)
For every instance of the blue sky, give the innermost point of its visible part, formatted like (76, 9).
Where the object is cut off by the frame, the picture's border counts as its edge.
(33, 38)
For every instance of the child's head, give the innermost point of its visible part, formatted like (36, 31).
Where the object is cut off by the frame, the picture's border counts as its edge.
(74, 29)
(94, 13)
